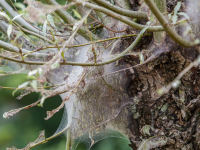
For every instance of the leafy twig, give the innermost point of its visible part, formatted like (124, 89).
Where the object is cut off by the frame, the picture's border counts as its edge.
(122, 11)
(166, 25)
(69, 19)
(84, 64)
(175, 83)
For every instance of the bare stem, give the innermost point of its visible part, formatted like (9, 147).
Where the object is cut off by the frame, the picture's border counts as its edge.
(166, 25)
(195, 63)
(122, 18)
(37, 35)
(121, 11)
(19, 20)
(98, 41)
(68, 140)
(12, 48)
(70, 20)
(82, 64)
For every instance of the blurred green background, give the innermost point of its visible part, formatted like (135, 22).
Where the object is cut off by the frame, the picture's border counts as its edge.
(25, 126)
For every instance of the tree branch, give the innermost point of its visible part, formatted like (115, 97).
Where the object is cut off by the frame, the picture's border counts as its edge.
(12, 48)
(3, 27)
(122, 18)
(82, 64)
(122, 11)
(159, 36)
(27, 28)
(37, 35)
(19, 20)
(99, 41)
(166, 25)
(175, 82)
(83, 31)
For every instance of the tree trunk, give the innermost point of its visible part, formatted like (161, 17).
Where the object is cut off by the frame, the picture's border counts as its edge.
(129, 102)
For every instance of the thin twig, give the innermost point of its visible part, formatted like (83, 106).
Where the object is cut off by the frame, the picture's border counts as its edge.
(82, 64)
(122, 18)
(195, 63)
(167, 26)
(122, 11)
(103, 24)
(12, 48)
(98, 41)
(23, 17)
(69, 19)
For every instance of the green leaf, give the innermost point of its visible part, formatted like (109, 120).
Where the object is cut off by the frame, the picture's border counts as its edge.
(51, 21)
(40, 71)
(177, 8)
(184, 14)
(91, 25)
(5, 69)
(13, 93)
(174, 19)
(141, 58)
(34, 38)
(20, 6)
(17, 17)
(52, 34)
(197, 41)
(25, 56)
(55, 65)
(170, 16)
(146, 129)
(32, 72)
(9, 30)
(34, 84)
(76, 14)
(148, 23)
(164, 108)
(31, 77)
(20, 86)
(63, 55)
(42, 101)
(136, 115)
(44, 29)
(18, 36)
(5, 15)
(86, 20)
(23, 84)
(151, 18)
(198, 59)
(77, 52)
(75, 25)
(112, 2)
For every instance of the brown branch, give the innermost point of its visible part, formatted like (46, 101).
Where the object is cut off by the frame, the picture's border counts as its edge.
(121, 18)
(104, 25)
(122, 11)
(167, 26)
(82, 64)
(176, 81)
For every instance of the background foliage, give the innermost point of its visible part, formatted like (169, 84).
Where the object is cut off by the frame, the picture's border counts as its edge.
(24, 127)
